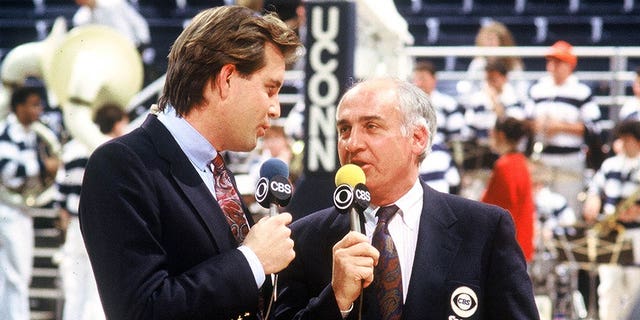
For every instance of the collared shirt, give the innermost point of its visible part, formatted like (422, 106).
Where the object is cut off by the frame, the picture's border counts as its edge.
(571, 102)
(200, 152)
(616, 180)
(403, 228)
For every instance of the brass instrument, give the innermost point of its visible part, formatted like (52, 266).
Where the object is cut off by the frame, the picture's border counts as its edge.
(36, 192)
(610, 222)
(83, 69)
(94, 65)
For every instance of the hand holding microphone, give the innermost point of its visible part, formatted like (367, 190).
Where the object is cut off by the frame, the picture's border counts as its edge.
(353, 256)
(273, 190)
(270, 238)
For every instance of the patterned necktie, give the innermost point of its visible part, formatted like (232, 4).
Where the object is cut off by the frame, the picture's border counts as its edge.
(387, 281)
(229, 200)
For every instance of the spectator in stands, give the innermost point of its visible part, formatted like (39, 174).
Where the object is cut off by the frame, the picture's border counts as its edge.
(449, 112)
(496, 99)
(509, 186)
(26, 171)
(615, 190)
(439, 169)
(631, 108)
(494, 34)
(79, 285)
(563, 111)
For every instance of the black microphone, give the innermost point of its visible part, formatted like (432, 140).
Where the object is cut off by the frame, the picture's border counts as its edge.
(273, 188)
(351, 195)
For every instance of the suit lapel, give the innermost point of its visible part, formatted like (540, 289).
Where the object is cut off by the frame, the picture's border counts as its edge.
(191, 184)
(435, 251)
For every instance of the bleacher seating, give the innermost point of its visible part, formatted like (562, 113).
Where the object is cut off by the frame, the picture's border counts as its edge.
(532, 22)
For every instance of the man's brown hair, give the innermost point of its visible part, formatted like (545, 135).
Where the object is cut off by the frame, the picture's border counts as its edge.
(215, 37)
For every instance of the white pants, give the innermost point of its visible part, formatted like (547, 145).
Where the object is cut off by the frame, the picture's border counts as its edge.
(617, 290)
(80, 291)
(16, 262)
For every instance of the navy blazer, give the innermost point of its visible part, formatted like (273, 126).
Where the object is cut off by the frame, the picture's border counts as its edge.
(467, 265)
(159, 244)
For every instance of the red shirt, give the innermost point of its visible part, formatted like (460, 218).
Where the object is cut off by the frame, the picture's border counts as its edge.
(509, 187)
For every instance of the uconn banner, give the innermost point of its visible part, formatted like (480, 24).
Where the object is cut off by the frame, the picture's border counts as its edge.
(330, 46)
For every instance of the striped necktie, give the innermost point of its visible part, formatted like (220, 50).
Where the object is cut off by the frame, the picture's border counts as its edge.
(229, 200)
(387, 281)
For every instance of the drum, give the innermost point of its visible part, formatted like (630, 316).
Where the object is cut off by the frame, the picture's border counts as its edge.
(580, 244)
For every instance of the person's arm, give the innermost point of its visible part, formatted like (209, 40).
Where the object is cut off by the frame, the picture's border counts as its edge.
(593, 203)
(312, 289)
(138, 24)
(509, 292)
(121, 215)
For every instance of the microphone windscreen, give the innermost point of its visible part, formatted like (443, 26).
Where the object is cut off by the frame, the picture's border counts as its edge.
(351, 175)
(274, 167)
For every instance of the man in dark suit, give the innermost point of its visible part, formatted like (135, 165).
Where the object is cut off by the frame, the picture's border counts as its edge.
(160, 245)
(458, 259)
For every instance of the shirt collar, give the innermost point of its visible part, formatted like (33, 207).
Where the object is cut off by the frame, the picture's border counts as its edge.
(198, 149)
(410, 205)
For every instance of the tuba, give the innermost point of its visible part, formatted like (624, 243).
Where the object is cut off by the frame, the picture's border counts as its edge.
(93, 66)
(83, 69)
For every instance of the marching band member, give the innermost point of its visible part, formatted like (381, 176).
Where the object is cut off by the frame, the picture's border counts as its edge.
(25, 169)
(615, 190)
(80, 292)
(563, 111)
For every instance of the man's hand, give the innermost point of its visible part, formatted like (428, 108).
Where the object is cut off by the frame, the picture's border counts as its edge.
(270, 239)
(353, 261)
(591, 208)
(630, 215)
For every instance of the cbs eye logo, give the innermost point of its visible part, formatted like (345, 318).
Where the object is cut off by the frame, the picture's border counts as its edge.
(343, 197)
(464, 302)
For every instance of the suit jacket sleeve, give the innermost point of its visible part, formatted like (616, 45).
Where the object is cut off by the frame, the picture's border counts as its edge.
(151, 255)
(508, 287)
(305, 285)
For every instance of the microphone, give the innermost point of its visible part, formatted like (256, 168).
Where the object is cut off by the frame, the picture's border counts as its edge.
(351, 195)
(273, 188)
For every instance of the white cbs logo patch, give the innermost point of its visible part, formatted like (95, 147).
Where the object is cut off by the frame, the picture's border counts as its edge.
(464, 302)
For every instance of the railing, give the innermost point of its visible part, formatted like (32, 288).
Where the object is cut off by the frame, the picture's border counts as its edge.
(618, 76)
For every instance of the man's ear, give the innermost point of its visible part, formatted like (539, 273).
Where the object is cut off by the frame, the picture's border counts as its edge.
(420, 138)
(223, 80)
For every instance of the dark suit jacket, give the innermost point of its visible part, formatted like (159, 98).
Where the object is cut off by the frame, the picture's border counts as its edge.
(159, 244)
(464, 248)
